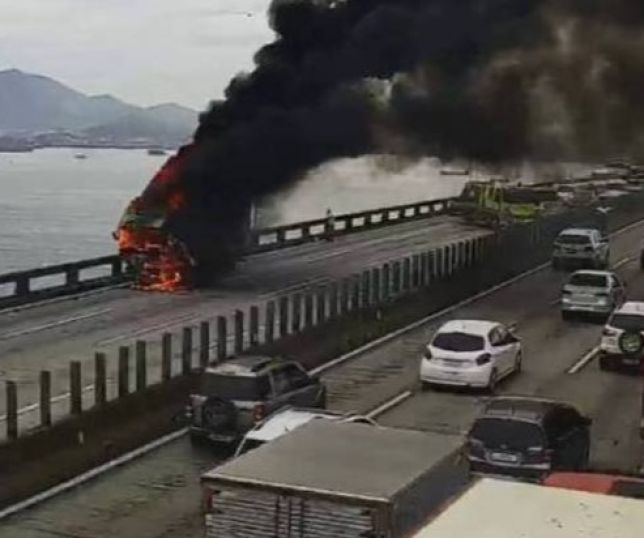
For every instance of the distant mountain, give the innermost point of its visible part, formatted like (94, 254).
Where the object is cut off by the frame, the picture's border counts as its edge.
(31, 105)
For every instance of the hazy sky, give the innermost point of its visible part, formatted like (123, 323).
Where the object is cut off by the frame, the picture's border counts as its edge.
(142, 51)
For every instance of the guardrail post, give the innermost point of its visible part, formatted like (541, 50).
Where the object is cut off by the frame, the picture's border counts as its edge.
(239, 332)
(204, 344)
(386, 282)
(407, 274)
(141, 365)
(376, 288)
(22, 285)
(439, 266)
(423, 270)
(269, 328)
(396, 287)
(366, 289)
(75, 388)
(222, 338)
(124, 371)
(117, 267)
(297, 312)
(333, 300)
(415, 271)
(71, 276)
(254, 326)
(308, 309)
(186, 350)
(283, 315)
(166, 357)
(45, 398)
(345, 296)
(100, 379)
(320, 306)
(355, 292)
(12, 410)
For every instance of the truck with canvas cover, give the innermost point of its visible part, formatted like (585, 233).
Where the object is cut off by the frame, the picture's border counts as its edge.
(493, 508)
(334, 480)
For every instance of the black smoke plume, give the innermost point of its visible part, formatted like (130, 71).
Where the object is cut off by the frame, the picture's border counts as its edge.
(492, 80)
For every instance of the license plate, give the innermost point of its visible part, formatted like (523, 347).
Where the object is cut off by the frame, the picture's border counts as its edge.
(504, 457)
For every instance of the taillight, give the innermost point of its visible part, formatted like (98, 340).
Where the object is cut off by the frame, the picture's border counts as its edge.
(483, 359)
(428, 354)
(588, 249)
(259, 412)
(208, 500)
(609, 332)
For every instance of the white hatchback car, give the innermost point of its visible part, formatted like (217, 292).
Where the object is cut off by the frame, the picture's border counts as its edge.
(471, 353)
(622, 342)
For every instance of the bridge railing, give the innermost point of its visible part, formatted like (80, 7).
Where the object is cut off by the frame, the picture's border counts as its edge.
(302, 232)
(32, 285)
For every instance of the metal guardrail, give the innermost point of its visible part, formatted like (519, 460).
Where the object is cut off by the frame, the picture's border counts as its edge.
(27, 288)
(45, 282)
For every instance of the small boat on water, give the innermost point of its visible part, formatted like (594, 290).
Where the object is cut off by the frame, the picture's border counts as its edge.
(156, 151)
(80, 156)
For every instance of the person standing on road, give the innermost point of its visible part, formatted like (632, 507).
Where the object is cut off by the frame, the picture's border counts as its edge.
(329, 227)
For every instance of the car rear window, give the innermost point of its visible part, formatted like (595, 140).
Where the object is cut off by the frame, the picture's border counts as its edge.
(514, 434)
(457, 341)
(627, 322)
(235, 387)
(572, 239)
(589, 280)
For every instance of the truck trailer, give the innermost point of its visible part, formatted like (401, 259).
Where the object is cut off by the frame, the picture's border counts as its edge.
(334, 480)
(493, 508)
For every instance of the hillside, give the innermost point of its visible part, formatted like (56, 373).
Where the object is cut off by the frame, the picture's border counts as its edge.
(31, 105)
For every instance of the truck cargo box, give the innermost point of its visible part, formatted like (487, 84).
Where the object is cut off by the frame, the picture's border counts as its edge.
(334, 480)
(493, 508)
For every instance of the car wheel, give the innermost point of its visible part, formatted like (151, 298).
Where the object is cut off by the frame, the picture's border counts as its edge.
(492, 382)
(518, 362)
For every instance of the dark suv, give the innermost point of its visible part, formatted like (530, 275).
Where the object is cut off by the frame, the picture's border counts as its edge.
(237, 394)
(527, 437)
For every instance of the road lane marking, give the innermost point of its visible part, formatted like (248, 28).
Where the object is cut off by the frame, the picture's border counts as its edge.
(53, 324)
(390, 404)
(581, 363)
(622, 262)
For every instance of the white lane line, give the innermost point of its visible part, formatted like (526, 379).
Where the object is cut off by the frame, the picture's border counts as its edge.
(96, 471)
(35, 406)
(581, 363)
(390, 404)
(53, 324)
(622, 262)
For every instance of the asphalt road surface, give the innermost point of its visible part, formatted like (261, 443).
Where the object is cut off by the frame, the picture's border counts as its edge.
(158, 496)
(49, 336)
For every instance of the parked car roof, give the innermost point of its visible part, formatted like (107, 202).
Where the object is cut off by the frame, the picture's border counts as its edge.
(287, 419)
(522, 408)
(243, 365)
(578, 231)
(631, 307)
(468, 326)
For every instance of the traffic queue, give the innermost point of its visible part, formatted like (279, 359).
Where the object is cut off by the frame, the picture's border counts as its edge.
(301, 470)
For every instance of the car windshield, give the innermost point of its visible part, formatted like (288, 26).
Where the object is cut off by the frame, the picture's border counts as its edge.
(513, 434)
(573, 239)
(627, 322)
(588, 280)
(231, 387)
(457, 341)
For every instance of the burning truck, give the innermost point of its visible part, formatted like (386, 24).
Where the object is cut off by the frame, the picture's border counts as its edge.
(173, 238)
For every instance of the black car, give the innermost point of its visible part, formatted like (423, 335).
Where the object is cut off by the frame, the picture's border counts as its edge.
(239, 393)
(527, 437)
